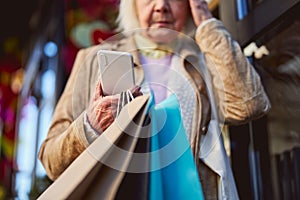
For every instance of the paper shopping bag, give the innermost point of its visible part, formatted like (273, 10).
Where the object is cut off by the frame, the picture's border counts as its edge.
(174, 174)
(135, 182)
(100, 170)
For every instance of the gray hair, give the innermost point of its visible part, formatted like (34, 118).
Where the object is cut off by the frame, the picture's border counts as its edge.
(127, 19)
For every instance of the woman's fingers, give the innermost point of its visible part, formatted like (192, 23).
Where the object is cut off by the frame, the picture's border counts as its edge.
(98, 91)
(136, 91)
(200, 11)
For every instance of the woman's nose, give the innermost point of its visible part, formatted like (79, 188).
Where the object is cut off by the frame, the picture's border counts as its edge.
(161, 5)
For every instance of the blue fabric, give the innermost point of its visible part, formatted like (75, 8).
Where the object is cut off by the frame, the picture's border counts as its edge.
(174, 174)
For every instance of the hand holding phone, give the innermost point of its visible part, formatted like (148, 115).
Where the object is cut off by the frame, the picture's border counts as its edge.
(116, 71)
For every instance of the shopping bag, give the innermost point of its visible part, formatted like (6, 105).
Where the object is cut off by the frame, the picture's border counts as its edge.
(174, 175)
(99, 171)
(134, 184)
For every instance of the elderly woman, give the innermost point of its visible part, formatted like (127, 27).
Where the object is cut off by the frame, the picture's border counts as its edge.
(178, 47)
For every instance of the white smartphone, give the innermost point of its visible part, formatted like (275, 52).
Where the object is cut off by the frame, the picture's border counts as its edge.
(116, 71)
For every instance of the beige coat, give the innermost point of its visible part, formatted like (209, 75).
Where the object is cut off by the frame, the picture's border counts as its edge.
(237, 88)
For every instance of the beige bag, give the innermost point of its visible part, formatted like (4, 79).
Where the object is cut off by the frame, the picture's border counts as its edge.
(98, 172)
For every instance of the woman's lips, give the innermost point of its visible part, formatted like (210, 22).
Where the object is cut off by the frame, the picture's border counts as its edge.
(162, 23)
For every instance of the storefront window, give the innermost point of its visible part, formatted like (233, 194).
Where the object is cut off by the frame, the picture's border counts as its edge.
(280, 71)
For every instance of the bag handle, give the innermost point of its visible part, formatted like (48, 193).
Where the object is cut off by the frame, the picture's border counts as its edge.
(124, 98)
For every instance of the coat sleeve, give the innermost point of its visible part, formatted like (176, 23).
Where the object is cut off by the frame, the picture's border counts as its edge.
(239, 94)
(66, 136)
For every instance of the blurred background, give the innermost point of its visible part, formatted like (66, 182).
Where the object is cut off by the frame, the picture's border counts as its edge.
(39, 40)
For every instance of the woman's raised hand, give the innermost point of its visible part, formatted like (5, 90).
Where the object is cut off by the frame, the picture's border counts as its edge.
(200, 11)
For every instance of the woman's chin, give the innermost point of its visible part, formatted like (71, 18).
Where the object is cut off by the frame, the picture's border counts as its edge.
(161, 35)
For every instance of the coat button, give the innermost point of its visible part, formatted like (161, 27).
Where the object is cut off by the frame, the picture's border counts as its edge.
(203, 129)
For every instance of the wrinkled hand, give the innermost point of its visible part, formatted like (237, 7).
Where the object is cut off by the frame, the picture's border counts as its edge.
(102, 109)
(200, 11)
